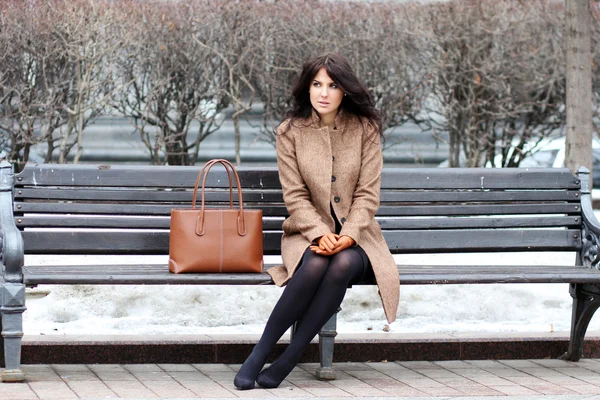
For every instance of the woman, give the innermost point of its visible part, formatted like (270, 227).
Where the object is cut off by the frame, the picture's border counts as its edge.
(329, 159)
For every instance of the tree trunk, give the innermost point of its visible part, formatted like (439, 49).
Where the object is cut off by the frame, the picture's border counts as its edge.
(579, 84)
(236, 125)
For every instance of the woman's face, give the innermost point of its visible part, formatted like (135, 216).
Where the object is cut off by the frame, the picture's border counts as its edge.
(325, 95)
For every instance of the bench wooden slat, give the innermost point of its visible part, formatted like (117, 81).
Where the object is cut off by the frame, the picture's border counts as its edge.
(270, 210)
(275, 223)
(275, 196)
(140, 176)
(129, 222)
(147, 195)
(479, 178)
(443, 274)
(398, 178)
(400, 241)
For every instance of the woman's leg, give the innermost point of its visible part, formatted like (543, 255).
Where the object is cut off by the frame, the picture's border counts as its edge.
(345, 267)
(290, 306)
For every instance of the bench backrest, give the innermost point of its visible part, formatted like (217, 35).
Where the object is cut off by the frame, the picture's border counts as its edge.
(121, 209)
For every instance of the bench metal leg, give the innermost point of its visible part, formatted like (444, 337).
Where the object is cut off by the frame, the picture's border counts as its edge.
(586, 300)
(11, 308)
(326, 342)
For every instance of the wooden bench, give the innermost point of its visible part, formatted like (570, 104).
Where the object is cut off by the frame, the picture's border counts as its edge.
(68, 209)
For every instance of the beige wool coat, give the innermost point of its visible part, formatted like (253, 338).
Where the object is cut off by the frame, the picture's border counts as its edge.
(319, 167)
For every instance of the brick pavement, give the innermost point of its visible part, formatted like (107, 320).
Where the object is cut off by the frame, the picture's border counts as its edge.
(517, 379)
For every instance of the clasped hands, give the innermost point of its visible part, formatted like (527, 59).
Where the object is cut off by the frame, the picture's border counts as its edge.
(331, 244)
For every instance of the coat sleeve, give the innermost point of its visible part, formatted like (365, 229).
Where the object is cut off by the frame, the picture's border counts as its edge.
(365, 200)
(304, 217)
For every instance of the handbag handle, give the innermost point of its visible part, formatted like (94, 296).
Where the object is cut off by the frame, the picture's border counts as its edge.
(200, 219)
(209, 164)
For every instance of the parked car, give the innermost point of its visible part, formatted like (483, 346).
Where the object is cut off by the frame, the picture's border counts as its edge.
(551, 153)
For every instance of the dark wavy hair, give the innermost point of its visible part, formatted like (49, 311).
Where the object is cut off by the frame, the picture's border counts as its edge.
(358, 100)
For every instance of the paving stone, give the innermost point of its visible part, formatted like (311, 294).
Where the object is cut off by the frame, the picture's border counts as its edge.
(366, 374)
(554, 363)
(478, 390)
(421, 382)
(290, 392)
(346, 366)
(116, 376)
(383, 366)
(485, 364)
(189, 376)
(131, 389)
(17, 391)
(506, 372)
(212, 367)
(577, 372)
(492, 381)
(526, 380)
(53, 390)
(311, 383)
(79, 376)
(328, 392)
(475, 372)
(70, 367)
(211, 389)
(87, 389)
(383, 382)
(142, 368)
(542, 372)
(365, 391)
(562, 380)
(514, 390)
(153, 376)
(418, 364)
(42, 376)
(405, 391)
(518, 364)
(106, 367)
(441, 391)
(584, 389)
(168, 389)
(437, 373)
(454, 364)
(549, 388)
(177, 367)
(455, 382)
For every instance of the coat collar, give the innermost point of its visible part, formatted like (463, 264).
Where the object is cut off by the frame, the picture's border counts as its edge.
(338, 124)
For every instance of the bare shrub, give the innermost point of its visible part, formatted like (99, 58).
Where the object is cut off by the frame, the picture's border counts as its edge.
(174, 86)
(498, 77)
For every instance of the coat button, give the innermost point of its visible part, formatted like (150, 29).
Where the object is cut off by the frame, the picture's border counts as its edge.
(336, 199)
(333, 178)
(343, 220)
(332, 158)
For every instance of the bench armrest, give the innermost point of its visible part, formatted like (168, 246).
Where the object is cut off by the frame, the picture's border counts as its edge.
(590, 231)
(12, 255)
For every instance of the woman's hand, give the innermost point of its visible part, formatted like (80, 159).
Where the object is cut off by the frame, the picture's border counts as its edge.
(341, 243)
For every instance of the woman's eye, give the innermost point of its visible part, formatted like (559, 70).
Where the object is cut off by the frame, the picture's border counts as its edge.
(333, 86)
(316, 84)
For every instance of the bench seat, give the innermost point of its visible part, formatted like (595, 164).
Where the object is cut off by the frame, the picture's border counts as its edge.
(409, 274)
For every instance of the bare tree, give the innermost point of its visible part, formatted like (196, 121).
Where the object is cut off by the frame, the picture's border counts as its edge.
(497, 78)
(237, 51)
(380, 39)
(84, 29)
(173, 85)
(34, 79)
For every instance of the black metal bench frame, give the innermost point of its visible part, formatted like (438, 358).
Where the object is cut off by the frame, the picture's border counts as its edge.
(422, 211)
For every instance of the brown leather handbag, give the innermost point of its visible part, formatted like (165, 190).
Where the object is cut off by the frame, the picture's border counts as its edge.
(216, 240)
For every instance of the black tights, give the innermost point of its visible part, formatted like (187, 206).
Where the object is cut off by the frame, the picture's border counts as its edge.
(311, 297)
